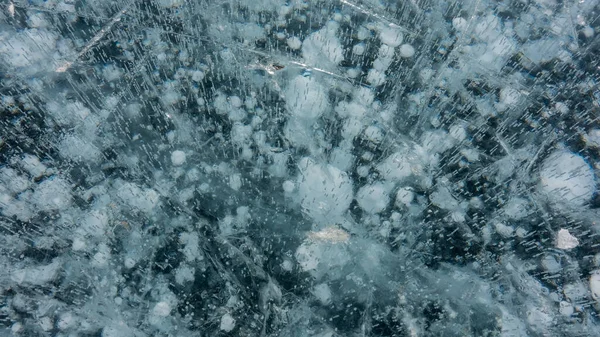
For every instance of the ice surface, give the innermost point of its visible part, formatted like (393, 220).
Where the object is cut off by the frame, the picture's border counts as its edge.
(299, 168)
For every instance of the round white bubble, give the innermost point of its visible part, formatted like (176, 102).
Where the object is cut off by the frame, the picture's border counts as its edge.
(178, 158)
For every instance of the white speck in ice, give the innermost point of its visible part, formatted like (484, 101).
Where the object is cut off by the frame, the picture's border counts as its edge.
(197, 76)
(509, 97)
(29, 49)
(550, 264)
(119, 329)
(162, 309)
(442, 198)
(66, 321)
(458, 132)
(364, 95)
(143, 199)
(392, 36)
(565, 240)
(111, 72)
(362, 171)
(79, 149)
(351, 128)
(94, 224)
(459, 24)
(330, 234)
(381, 64)
(235, 102)
(325, 191)
(184, 274)
(17, 328)
(323, 45)
(488, 28)
(566, 177)
(287, 265)
(386, 52)
(306, 98)
(407, 51)
(539, 319)
(426, 74)
(129, 263)
(486, 234)
(285, 10)
(363, 33)
(437, 141)
(404, 196)
(36, 275)
(373, 134)
(543, 50)
(294, 43)
(476, 203)
(308, 256)
(565, 308)
(46, 323)
(11, 9)
(323, 293)
(342, 158)
(36, 20)
(504, 230)
(235, 181)
(102, 257)
(240, 133)
(592, 138)
(458, 216)
(376, 77)
(178, 158)
(191, 246)
(521, 232)
(52, 194)
(227, 323)
(373, 198)
(575, 292)
(170, 3)
(516, 208)
(561, 108)
(289, 186)
(397, 167)
(12, 180)
(358, 49)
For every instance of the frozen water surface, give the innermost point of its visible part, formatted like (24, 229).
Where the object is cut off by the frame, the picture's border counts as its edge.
(299, 168)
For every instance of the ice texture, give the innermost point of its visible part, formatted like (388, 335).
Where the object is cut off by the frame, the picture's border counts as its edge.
(299, 168)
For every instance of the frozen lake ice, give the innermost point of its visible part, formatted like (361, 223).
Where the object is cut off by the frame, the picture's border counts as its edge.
(299, 168)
